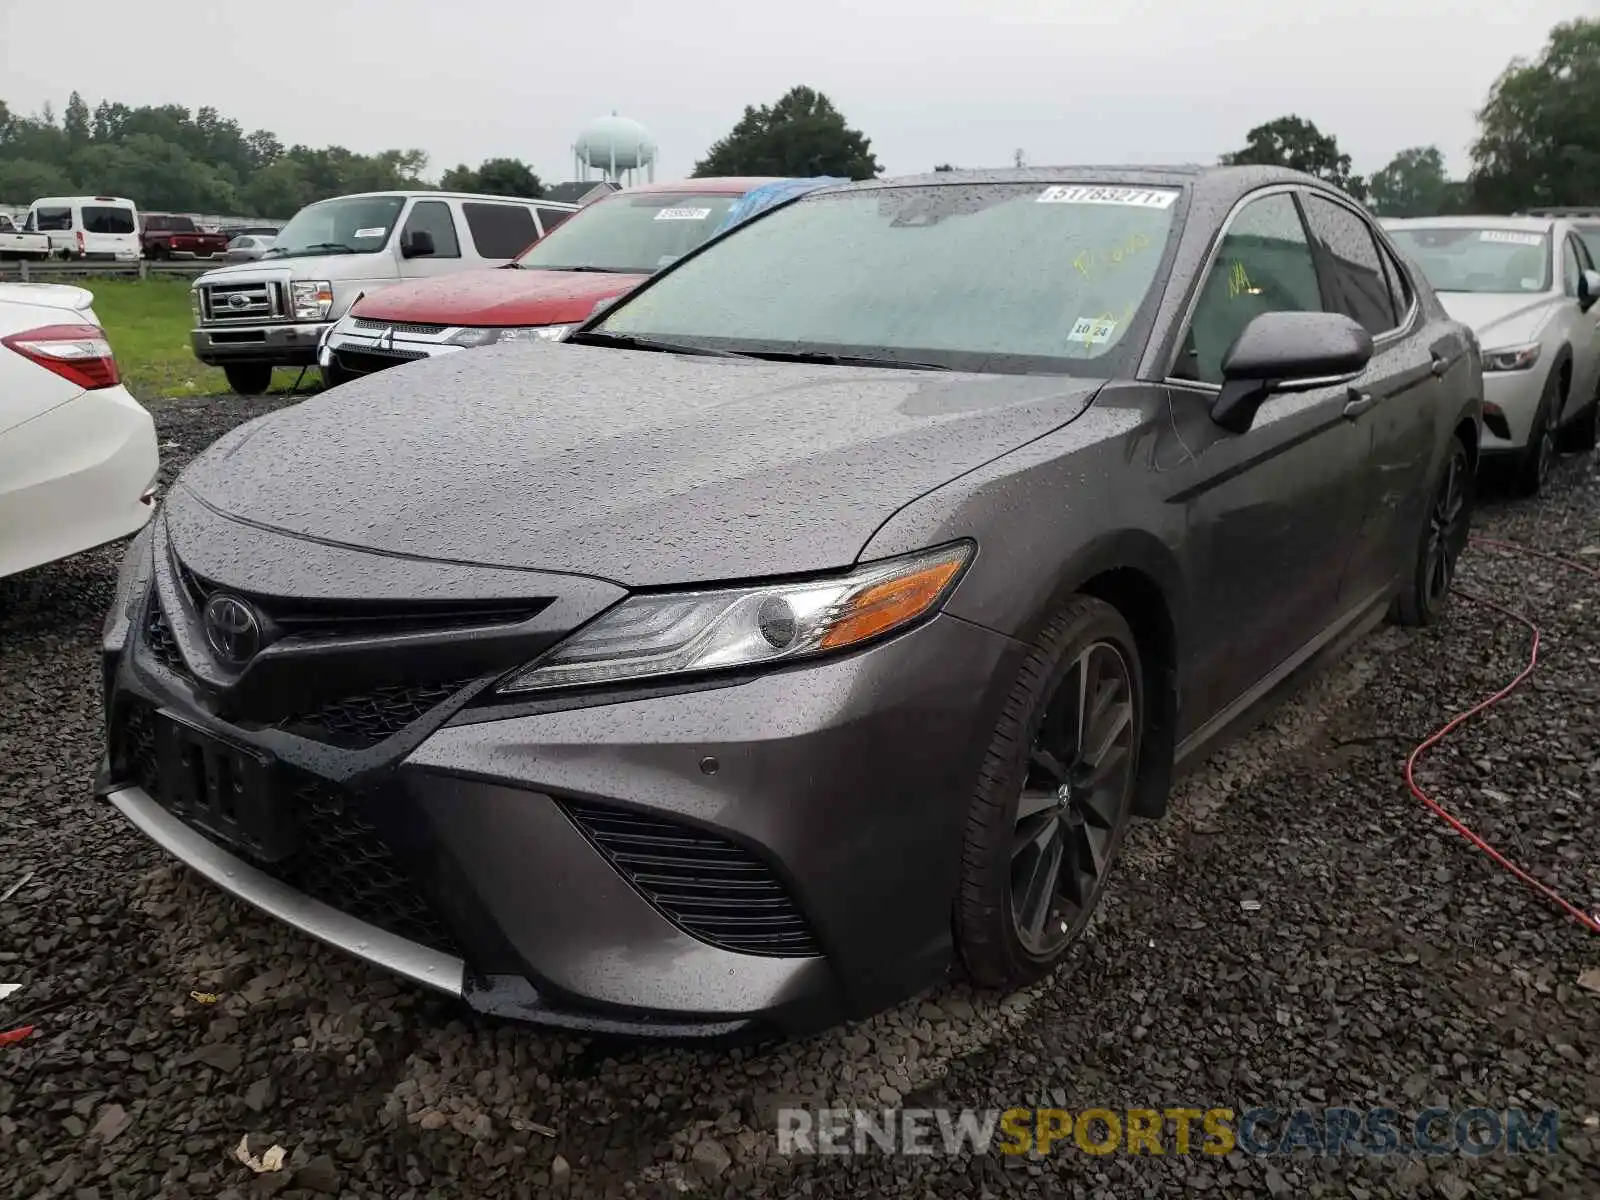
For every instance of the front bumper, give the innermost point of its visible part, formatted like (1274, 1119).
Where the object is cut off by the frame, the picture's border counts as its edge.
(279, 344)
(350, 349)
(1516, 395)
(778, 851)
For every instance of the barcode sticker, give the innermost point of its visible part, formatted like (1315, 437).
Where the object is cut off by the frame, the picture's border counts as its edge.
(1511, 237)
(372, 231)
(683, 214)
(1130, 197)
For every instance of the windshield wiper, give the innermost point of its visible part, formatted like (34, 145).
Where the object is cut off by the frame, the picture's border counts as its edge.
(843, 360)
(595, 270)
(313, 248)
(628, 341)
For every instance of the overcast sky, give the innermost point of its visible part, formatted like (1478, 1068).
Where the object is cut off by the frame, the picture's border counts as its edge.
(929, 81)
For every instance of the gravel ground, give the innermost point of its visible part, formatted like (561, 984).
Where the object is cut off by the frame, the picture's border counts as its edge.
(1378, 961)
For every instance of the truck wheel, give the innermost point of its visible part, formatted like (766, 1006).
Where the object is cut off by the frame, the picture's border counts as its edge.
(249, 379)
(157, 253)
(333, 375)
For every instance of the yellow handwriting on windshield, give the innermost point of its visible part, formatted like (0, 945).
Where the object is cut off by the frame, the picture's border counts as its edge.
(1239, 280)
(1088, 262)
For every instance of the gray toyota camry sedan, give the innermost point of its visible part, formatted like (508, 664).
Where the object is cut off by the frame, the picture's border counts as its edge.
(812, 621)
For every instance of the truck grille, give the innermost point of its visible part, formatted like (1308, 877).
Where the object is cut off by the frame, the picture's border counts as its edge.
(710, 888)
(236, 303)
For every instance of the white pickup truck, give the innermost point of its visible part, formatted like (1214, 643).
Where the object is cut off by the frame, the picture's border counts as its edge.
(15, 244)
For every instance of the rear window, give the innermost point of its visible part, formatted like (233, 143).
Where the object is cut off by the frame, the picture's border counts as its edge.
(170, 224)
(52, 220)
(500, 230)
(105, 219)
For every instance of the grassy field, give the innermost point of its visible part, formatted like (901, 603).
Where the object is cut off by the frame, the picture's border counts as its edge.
(148, 322)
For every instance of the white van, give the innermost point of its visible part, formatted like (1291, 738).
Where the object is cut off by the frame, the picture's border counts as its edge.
(252, 317)
(103, 227)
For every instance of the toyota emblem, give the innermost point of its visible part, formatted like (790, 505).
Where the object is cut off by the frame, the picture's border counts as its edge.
(238, 300)
(232, 629)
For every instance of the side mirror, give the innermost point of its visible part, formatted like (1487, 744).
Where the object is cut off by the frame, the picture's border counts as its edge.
(1588, 289)
(1286, 352)
(416, 244)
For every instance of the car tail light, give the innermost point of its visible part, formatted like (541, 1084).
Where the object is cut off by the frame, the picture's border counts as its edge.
(82, 245)
(79, 353)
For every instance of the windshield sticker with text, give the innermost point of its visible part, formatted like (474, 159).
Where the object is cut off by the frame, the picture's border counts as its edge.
(1092, 331)
(1511, 237)
(683, 214)
(1130, 197)
(373, 231)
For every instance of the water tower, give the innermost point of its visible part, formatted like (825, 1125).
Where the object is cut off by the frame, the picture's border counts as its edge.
(619, 148)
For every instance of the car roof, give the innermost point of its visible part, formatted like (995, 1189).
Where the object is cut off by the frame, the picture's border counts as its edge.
(1524, 224)
(720, 185)
(420, 194)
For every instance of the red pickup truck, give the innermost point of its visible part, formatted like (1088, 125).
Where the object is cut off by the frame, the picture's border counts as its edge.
(163, 235)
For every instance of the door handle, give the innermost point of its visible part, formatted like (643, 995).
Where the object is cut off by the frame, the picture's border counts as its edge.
(1358, 403)
(1441, 364)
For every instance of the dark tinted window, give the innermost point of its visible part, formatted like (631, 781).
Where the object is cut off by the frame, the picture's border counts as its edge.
(50, 220)
(169, 224)
(500, 230)
(433, 217)
(1263, 265)
(1400, 289)
(551, 217)
(1355, 282)
(104, 219)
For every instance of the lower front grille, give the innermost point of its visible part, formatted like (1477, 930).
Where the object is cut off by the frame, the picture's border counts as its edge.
(710, 888)
(339, 858)
(359, 722)
(365, 362)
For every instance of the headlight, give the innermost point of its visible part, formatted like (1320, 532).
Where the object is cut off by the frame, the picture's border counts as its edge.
(517, 333)
(1511, 358)
(312, 298)
(675, 633)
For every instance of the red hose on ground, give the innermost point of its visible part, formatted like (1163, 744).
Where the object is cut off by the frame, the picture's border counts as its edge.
(1590, 921)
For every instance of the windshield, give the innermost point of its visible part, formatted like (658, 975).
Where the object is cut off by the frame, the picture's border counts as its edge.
(347, 225)
(632, 235)
(1457, 259)
(1000, 277)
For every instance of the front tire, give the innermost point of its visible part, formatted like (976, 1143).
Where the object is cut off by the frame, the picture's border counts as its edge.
(248, 379)
(1444, 536)
(1054, 798)
(1539, 455)
(1583, 434)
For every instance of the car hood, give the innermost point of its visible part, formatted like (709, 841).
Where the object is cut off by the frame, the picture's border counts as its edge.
(497, 297)
(1500, 318)
(645, 469)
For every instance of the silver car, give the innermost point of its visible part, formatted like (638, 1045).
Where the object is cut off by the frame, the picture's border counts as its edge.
(1527, 287)
(248, 247)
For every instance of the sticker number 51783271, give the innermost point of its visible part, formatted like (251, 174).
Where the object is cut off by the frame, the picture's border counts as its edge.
(1129, 197)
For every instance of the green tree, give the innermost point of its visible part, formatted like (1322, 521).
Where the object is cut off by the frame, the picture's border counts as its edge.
(75, 122)
(1539, 132)
(23, 181)
(944, 167)
(1415, 184)
(1296, 143)
(802, 134)
(495, 177)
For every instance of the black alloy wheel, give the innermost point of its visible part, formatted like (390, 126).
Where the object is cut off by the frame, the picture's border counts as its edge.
(1054, 798)
(1444, 537)
(1074, 800)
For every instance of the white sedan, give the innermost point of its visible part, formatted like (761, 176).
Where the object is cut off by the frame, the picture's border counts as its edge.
(78, 454)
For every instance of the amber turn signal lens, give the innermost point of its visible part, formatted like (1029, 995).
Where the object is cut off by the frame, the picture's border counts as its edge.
(893, 602)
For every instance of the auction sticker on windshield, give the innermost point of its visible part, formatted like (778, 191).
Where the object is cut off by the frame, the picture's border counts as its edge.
(1131, 197)
(683, 214)
(1092, 331)
(375, 231)
(1511, 237)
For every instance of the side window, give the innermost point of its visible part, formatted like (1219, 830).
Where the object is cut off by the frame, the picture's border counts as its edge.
(1263, 265)
(1569, 266)
(1356, 286)
(433, 217)
(52, 220)
(1400, 293)
(551, 217)
(500, 230)
(1585, 259)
